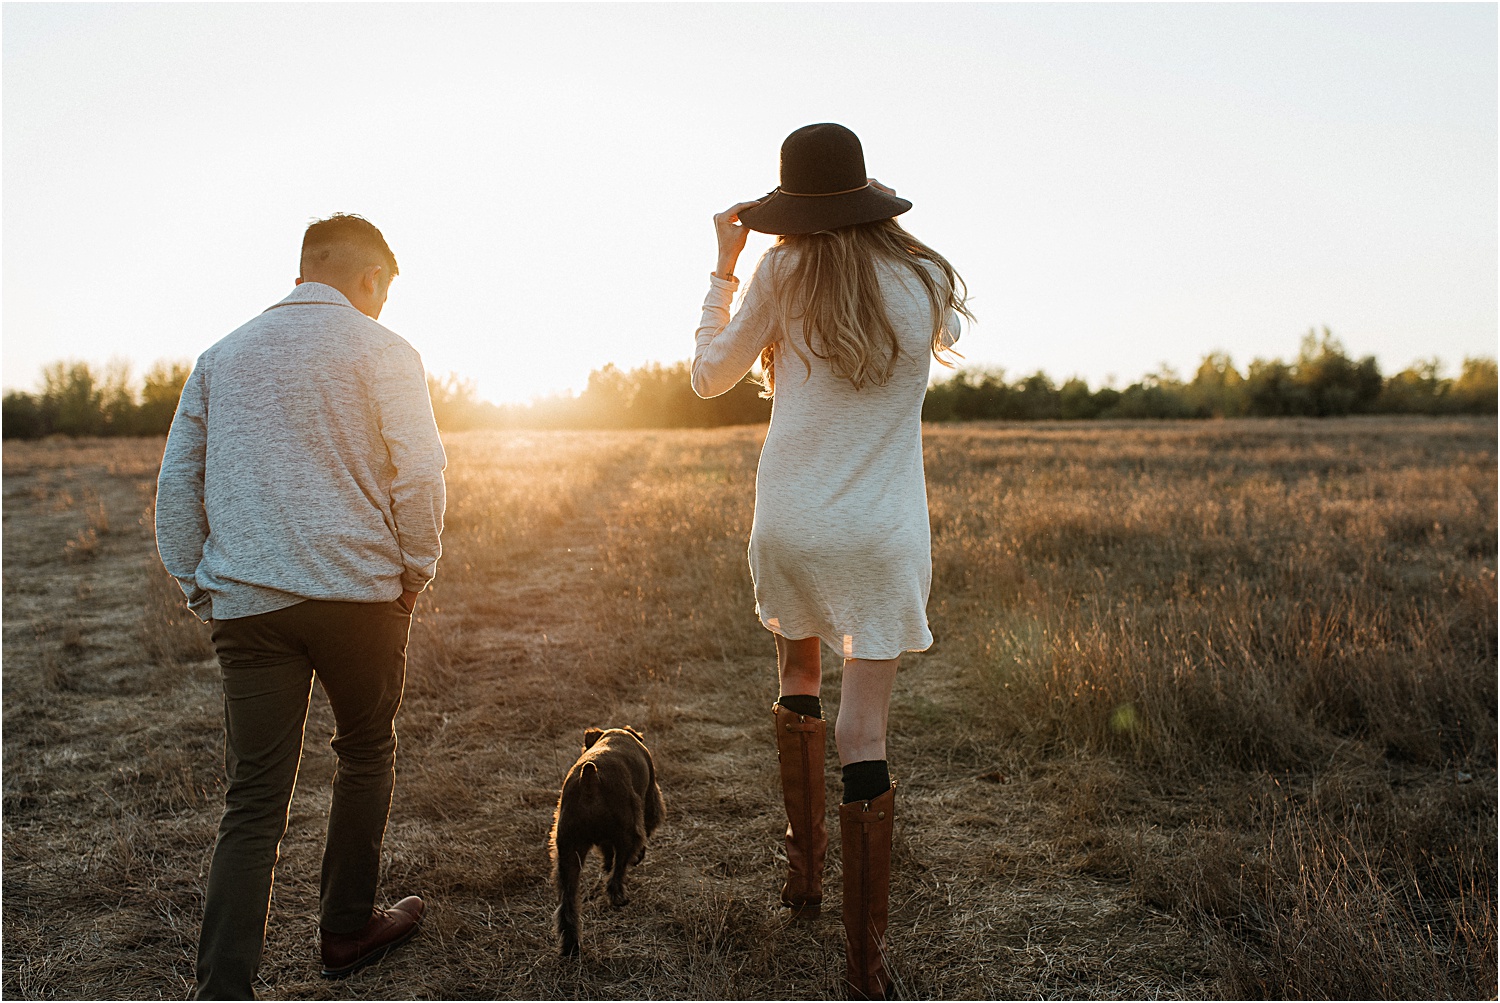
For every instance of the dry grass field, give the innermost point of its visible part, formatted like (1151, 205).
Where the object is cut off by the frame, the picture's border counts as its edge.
(1211, 713)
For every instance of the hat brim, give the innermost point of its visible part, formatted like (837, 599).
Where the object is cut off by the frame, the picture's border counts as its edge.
(784, 214)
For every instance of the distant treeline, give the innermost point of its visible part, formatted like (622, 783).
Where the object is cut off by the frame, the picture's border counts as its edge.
(74, 400)
(1321, 382)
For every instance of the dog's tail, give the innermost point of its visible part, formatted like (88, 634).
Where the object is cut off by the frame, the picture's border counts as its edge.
(569, 862)
(569, 855)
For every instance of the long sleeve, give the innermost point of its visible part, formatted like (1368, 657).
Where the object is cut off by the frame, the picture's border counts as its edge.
(181, 522)
(727, 348)
(418, 495)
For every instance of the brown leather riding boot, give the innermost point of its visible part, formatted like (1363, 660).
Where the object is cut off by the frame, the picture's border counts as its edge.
(865, 832)
(800, 747)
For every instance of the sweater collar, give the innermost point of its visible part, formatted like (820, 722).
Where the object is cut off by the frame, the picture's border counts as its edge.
(313, 292)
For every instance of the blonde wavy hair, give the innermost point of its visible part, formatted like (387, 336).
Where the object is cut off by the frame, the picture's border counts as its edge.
(830, 283)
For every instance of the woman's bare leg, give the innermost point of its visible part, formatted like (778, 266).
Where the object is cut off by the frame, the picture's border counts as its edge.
(800, 666)
(864, 706)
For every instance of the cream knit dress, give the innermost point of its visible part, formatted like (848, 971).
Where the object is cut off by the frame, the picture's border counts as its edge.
(840, 548)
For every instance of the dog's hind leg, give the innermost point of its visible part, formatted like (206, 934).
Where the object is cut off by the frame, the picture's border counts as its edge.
(653, 808)
(641, 824)
(569, 863)
(616, 886)
(639, 853)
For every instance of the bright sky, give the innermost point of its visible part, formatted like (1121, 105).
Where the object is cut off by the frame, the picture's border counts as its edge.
(1120, 185)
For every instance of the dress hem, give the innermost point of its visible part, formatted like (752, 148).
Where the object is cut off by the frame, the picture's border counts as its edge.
(839, 645)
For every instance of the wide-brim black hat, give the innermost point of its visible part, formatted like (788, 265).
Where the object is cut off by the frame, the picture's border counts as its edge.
(823, 186)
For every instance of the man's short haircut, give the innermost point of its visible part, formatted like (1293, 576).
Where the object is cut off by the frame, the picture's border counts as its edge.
(343, 245)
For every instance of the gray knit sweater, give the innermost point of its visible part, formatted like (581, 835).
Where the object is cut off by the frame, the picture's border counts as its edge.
(303, 463)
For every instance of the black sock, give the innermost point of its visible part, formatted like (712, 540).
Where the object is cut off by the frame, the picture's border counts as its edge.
(802, 703)
(866, 780)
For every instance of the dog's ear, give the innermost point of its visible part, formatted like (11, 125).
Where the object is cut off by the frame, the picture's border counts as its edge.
(634, 732)
(590, 737)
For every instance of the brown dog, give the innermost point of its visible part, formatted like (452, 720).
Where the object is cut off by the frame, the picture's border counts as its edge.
(610, 800)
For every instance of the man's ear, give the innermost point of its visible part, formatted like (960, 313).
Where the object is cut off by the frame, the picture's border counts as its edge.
(300, 280)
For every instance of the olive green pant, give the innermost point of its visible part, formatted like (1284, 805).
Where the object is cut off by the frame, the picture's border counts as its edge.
(357, 651)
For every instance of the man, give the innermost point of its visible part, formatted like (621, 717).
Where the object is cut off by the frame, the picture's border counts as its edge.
(299, 506)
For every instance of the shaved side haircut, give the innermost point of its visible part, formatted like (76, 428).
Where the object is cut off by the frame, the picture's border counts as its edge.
(344, 245)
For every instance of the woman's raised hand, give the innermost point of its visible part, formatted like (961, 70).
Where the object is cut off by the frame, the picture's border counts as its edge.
(732, 236)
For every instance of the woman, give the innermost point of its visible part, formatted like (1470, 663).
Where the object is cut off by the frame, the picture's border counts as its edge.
(845, 313)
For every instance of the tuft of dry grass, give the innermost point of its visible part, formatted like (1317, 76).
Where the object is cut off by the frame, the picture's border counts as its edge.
(1211, 713)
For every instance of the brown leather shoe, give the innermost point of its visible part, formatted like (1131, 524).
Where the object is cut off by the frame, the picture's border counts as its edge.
(346, 953)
